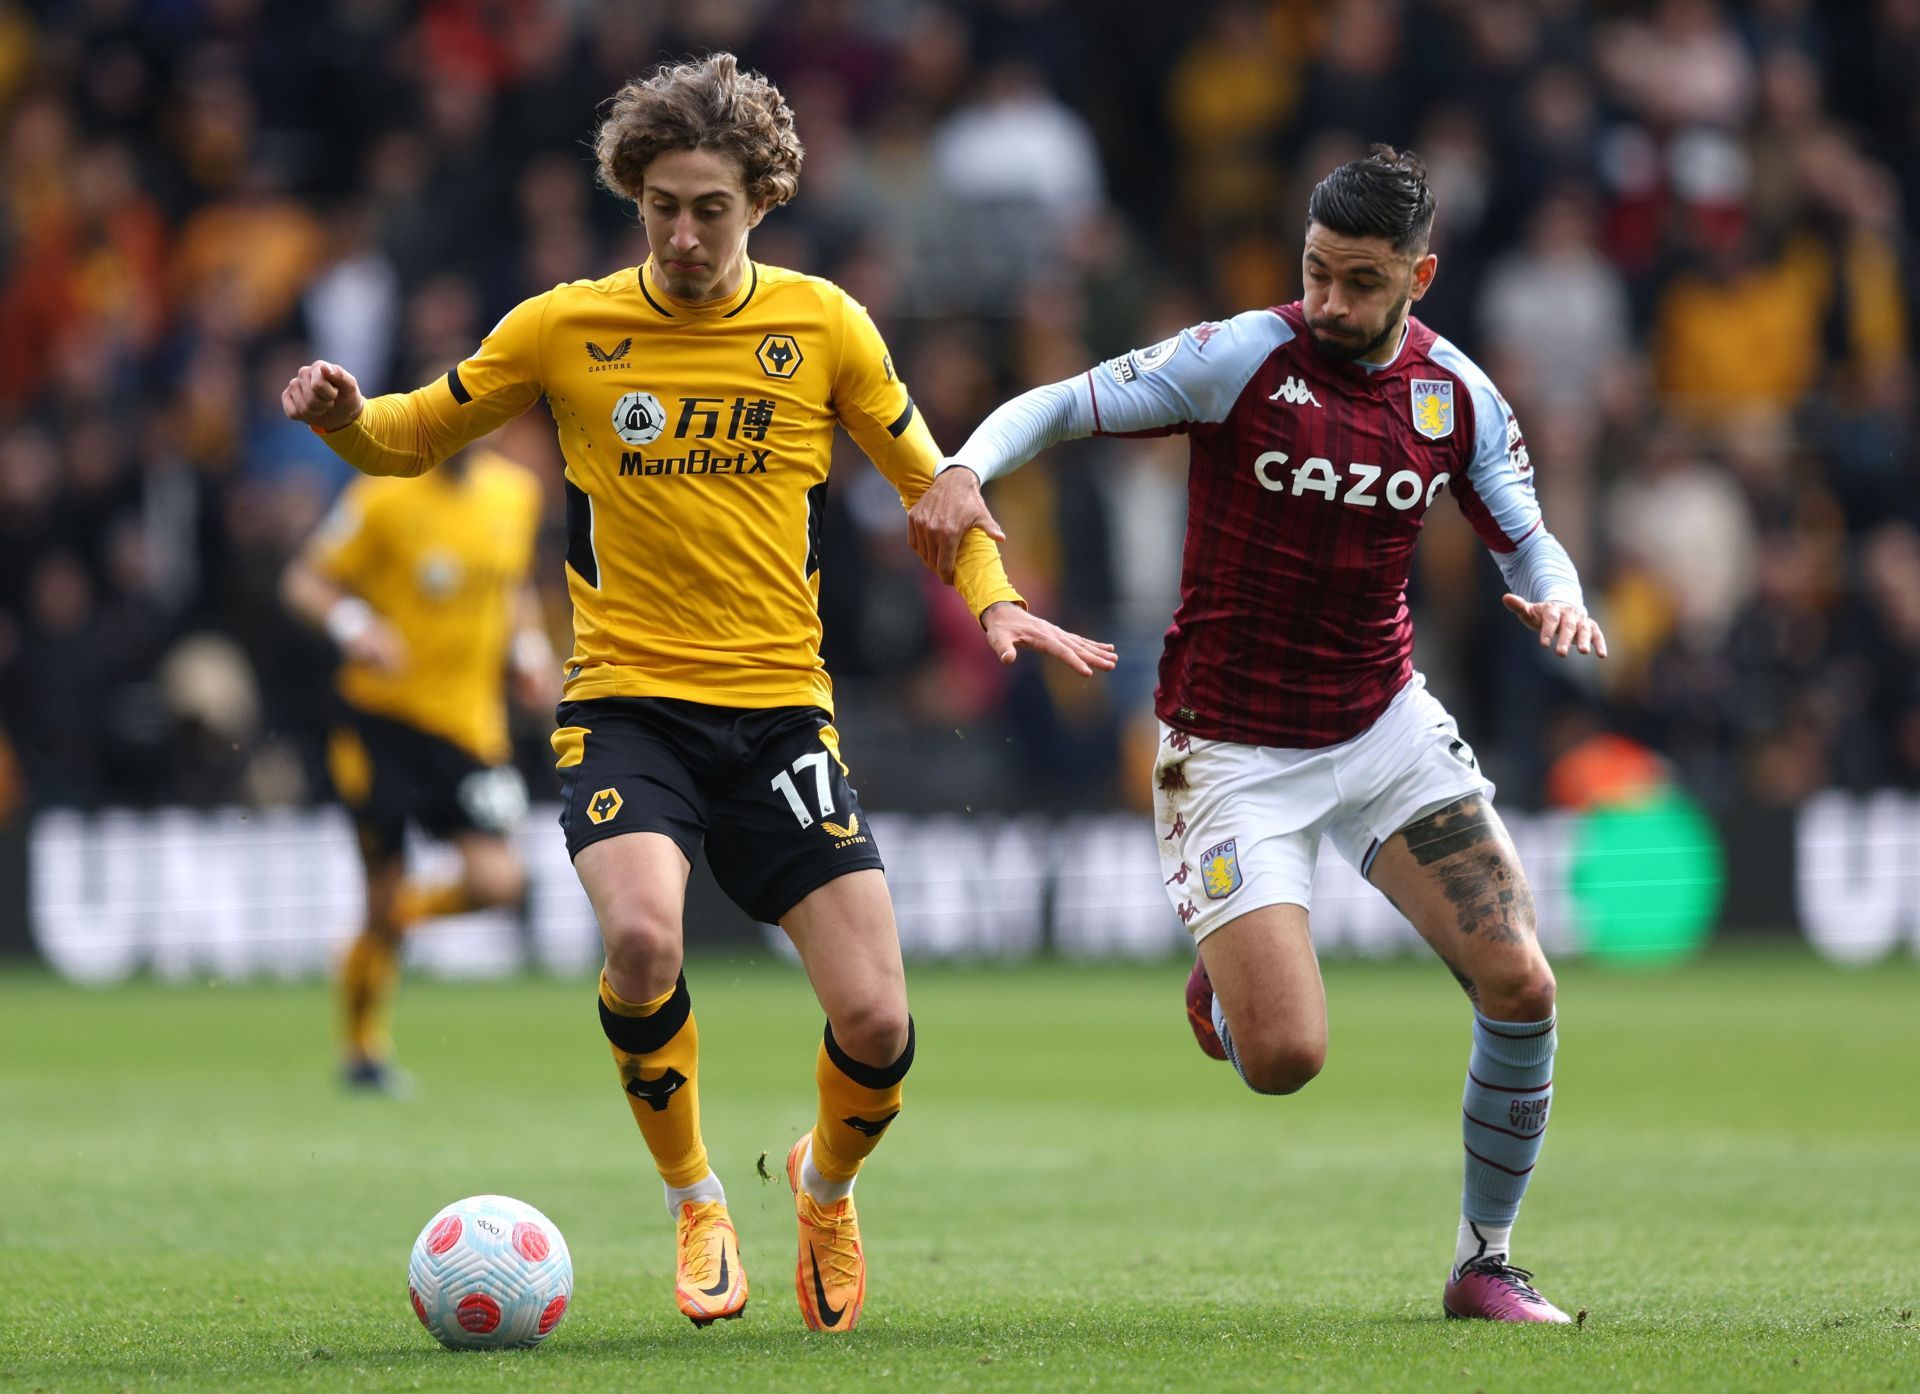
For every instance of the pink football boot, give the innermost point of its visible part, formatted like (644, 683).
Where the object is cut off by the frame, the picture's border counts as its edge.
(1492, 1289)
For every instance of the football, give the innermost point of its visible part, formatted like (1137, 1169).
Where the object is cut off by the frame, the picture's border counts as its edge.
(490, 1272)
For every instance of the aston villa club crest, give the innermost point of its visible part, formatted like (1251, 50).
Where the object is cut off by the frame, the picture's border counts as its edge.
(1220, 869)
(1433, 407)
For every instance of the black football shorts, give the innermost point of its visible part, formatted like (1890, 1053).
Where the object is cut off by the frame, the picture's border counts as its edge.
(387, 772)
(762, 788)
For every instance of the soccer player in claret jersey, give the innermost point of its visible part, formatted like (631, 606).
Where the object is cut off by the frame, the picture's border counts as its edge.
(696, 398)
(1321, 432)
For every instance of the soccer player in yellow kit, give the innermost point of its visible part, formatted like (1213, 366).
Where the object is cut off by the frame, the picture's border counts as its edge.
(696, 398)
(424, 588)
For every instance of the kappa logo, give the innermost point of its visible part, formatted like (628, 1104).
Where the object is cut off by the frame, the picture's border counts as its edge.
(603, 805)
(779, 355)
(638, 418)
(1295, 392)
(1517, 451)
(605, 360)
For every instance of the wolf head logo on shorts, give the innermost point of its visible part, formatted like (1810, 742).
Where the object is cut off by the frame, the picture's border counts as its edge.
(1220, 869)
(603, 805)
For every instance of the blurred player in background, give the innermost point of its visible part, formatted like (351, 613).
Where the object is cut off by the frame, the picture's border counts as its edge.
(696, 398)
(1321, 432)
(423, 585)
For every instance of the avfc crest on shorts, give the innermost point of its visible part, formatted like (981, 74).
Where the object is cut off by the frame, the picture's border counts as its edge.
(1433, 407)
(1220, 869)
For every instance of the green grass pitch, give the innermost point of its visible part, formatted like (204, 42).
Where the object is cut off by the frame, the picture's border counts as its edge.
(1074, 1198)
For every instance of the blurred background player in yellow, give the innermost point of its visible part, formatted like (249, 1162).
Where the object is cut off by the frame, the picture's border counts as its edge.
(423, 586)
(696, 399)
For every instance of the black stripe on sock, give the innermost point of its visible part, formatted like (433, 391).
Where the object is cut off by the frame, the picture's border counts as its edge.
(457, 387)
(1493, 1029)
(1488, 1161)
(642, 1035)
(1533, 1136)
(1510, 1088)
(871, 1076)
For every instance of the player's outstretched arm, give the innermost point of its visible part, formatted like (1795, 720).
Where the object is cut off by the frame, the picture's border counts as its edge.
(951, 507)
(1560, 624)
(323, 395)
(408, 433)
(1013, 433)
(1012, 627)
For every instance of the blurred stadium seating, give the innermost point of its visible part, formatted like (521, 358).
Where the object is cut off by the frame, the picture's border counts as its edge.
(1678, 234)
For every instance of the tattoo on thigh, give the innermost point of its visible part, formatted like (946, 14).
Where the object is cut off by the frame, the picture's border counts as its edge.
(1475, 872)
(1488, 897)
(1462, 824)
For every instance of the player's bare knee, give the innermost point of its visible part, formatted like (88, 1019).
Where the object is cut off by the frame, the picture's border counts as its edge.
(1280, 1067)
(496, 879)
(1527, 995)
(873, 1033)
(643, 952)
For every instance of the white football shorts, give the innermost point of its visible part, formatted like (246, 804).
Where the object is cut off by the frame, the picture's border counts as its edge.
(1240, 825)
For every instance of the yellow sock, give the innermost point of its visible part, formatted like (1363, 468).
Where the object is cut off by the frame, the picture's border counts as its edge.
(419, 901)
(657, 1047)
(367, 979)
(857, 1101)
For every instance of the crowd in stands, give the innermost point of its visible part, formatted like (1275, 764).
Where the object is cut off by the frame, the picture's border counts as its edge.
(1677, 233)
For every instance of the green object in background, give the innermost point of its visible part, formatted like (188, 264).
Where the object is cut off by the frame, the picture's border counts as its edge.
(1646, 880)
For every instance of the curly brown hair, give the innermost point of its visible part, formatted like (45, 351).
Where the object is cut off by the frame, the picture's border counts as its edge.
(705, 104)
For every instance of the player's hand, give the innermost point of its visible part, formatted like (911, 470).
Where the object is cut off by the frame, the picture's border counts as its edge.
(536, 683)
(322, 394)
(1010, 627)
(378, 646)
(1559, 624)
(943, 515)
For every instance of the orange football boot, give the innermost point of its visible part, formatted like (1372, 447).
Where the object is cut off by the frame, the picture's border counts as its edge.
(709, 1282)
(831, 1276)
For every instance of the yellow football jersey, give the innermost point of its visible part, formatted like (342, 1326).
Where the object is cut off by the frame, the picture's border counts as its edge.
(442, 560)
(697, 439)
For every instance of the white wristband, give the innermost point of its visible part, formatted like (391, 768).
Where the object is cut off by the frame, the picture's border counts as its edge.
(348, 618)
(531, 652)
